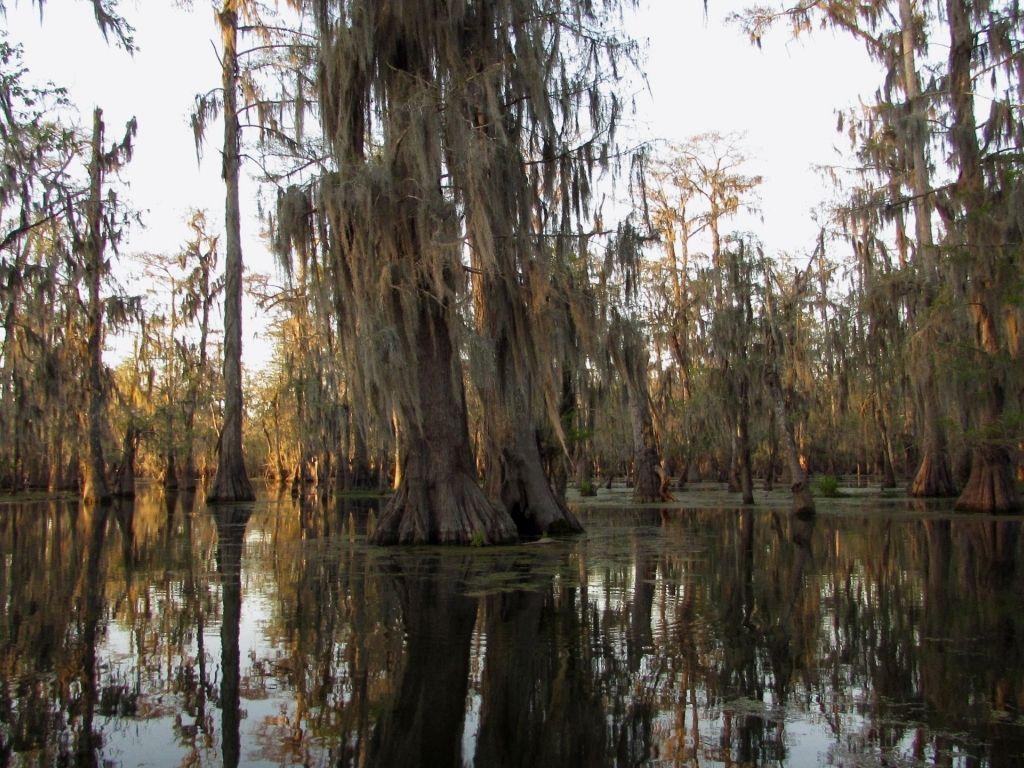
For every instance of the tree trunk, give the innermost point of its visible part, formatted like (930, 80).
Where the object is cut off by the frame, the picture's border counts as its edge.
(885, 450)
(170, 481)
(525, 490)
(773, 453)
(990, 486)
(438, 500)
(743, 447)
(933, 477)
(342, 476)
(362, 473)
(515, 468)
(630, 357)
(94, 475)
(585, 473)
(190, 473)
(124, 481)
(732, 473)
(231, 482)
(504, 290)
(646, 463)
(803, 503)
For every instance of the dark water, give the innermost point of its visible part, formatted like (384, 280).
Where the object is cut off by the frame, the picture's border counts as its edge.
(165, 635)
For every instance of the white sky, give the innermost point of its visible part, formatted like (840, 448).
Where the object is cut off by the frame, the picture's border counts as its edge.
(703, 76)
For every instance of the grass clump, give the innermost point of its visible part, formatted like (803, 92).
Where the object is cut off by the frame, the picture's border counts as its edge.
(827, 486)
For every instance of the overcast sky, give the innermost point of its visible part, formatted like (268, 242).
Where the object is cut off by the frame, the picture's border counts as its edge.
(703, 75)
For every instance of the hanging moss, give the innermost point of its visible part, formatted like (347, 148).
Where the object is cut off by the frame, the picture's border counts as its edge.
(454, 124)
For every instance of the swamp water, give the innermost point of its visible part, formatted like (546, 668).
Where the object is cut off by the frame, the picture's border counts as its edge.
(164, 634)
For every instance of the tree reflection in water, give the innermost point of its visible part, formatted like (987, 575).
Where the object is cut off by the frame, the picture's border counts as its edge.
(159, 632)
(231, 520)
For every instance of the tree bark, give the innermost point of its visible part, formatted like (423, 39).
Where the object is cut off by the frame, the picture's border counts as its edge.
(124, 480)
(231, 482)
(743, 445)
(646, 462)
(885, 449)
(515, 466)
(94, 475)
(803, 502)
(438, 500)
(990, 486)
(170, 479)
(525, 490)
(630, 357)
(507, 268)
(933, 477)
(362, 473)
(190, 473)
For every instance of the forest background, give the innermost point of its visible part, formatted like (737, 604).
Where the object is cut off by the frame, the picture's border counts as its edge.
(786, 316)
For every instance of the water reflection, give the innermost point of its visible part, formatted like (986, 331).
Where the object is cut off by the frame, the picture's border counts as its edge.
(231, 521)
(160, 633)
(422, 723)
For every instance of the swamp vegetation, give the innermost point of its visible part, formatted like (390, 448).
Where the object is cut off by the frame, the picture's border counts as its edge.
(489, 291)
(718, 505)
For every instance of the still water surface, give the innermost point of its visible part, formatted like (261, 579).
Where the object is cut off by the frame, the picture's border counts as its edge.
(163, 634)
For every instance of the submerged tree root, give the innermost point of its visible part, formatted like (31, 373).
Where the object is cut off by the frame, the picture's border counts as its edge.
(803, 501)
(933, 478)
(229, 489)
(990, 487)
(529, 500)
(453, 511)
(649, 480)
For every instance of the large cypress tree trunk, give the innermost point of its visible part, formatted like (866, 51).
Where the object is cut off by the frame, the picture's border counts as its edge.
(94, 475)
(497, 197)
(524, 487)
(124, 479)
(803, 502)
(438, 500)
(515, 466)
(990, 486)
(231, 483)
(646, 462)
(630, 357)
(933, 476)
